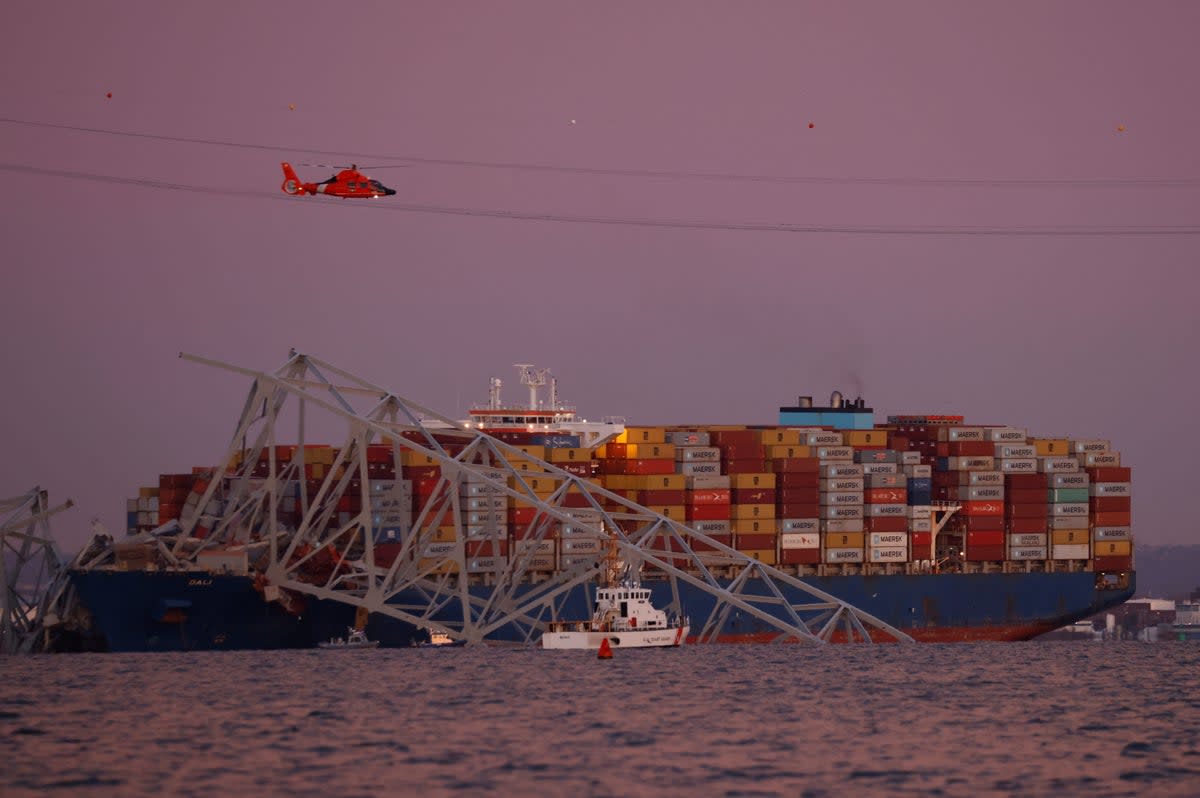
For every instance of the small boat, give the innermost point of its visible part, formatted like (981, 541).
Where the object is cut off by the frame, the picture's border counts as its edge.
(438, 639)
(355, 638)
(624, 616)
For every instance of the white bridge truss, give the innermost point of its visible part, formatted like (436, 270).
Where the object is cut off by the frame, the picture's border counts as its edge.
(325, 555)
(34, 591)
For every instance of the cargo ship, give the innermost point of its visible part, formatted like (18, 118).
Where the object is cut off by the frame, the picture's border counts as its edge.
(939, 529)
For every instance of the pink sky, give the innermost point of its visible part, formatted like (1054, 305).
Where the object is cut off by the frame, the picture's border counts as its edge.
(1084, 336)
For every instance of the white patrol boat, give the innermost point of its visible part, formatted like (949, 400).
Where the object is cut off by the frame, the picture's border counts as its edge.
(355, 638)
(625, 617)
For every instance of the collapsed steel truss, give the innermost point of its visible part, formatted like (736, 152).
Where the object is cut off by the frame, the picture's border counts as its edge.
(331, 557)
(35, 595)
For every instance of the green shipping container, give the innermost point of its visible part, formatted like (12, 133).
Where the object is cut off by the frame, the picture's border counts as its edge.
(1068, 495)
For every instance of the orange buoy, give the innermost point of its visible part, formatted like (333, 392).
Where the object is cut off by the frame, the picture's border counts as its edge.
(605, 651)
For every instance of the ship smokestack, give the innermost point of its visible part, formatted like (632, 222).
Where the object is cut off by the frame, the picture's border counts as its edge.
(835, 399)
(805, 401)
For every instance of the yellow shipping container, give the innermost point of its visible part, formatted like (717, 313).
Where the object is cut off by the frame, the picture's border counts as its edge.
(1065, 537)
(147, 493)
(619, 482)
(527, 467)
(764, 556)
(660, 482)
(643, 435)
(739, 511)
(444, 534)
(1051, 447)
(409, 457)
(842, 540)
(1112, 548)
(542, 486)
(751, 480)
(753, 526)
(569, 455)
(866, 437)
(779, 437)
(650, 451)
(532, 451)
(721, 427)
(447, 567)
(317, 470)
(786, 452)
(673, 511)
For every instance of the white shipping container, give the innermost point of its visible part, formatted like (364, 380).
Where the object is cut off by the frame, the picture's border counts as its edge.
(131, 505)
(972, 463)
(835, 453)
(887, 510)
(799, 540)
(1019, 465)
(691, 453)
(541, 562)
(474, 474)
(579, 531)
(842, 498)
(843, 555)
(842, 484)
(535, 547)
(472, 489)
(711, 527)
(1069, 508)
(485, 503)
(480, 565)
(438, 549)
(1069, 522)
(1112, 533)
(887, 481)
(843, 525)
(1007, 450)
(1028, 553)
(1079, 479)
(911, 459)
(485, 531)
(920, 524)
(143, 504)
(708, 481)
(1109, 489)
(823, 439)
(981, 478)
(917, 470)
(842, 512)
(799, 524)
(391, 519)
(688, 438)
(832, 470)
(985, 492)
(1094, 446)
(923, 511)
(390, 487)
(1027, 539)
(1005, 434)
(960, 433)
(1069, 551)
(699, 468)
(1057, 465)
(878, 539)
(880, 468)
(581, 546)
(567, 562)
(488, 517)
(888, 554)
(1106, 460)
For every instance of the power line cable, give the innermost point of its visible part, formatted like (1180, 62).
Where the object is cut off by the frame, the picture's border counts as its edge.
(681, 224)
(932, 182)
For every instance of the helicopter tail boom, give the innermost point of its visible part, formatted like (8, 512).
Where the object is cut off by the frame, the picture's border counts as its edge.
(291, 182)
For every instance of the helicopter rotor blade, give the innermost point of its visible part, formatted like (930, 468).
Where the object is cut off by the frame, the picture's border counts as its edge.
(357, 166)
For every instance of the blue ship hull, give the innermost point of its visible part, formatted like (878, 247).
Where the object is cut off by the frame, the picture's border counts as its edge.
(183, 611)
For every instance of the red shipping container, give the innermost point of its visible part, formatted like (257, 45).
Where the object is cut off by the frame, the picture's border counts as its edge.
(380, 453)
(582, 468)
(422, 472)
(798, 495)
(699, 545)
(755, 542)
(753, 495)
(575, 499)
(898, 442)
(1110, 504)
(795, 480)
(521, 515)
(942, 449)
(733, 436)
(984, 539)
(386, 553)
(945, 479)
(885, 496)
(486, 548)
(709, 496)
(1112, 519)
(1025, 481)
(972, 449)
(647, 467)
(1041, 511)
(744, 466)
(1111, 474)
(920, 541)
(983, 508)
(706, 512)
(661, 498)
(797, 465)
(885, 524)
(1112, 564)
(799, 556)
(1031, 496)
(983, 523)
(798, 510)
(1021, 526)
(742, 451)
(985, 553)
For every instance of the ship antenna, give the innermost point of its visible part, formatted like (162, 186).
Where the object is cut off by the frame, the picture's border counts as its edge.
(494, 393)
(534, 378)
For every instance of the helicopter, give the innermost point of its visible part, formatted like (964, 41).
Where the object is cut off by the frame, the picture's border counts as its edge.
(349, 183)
